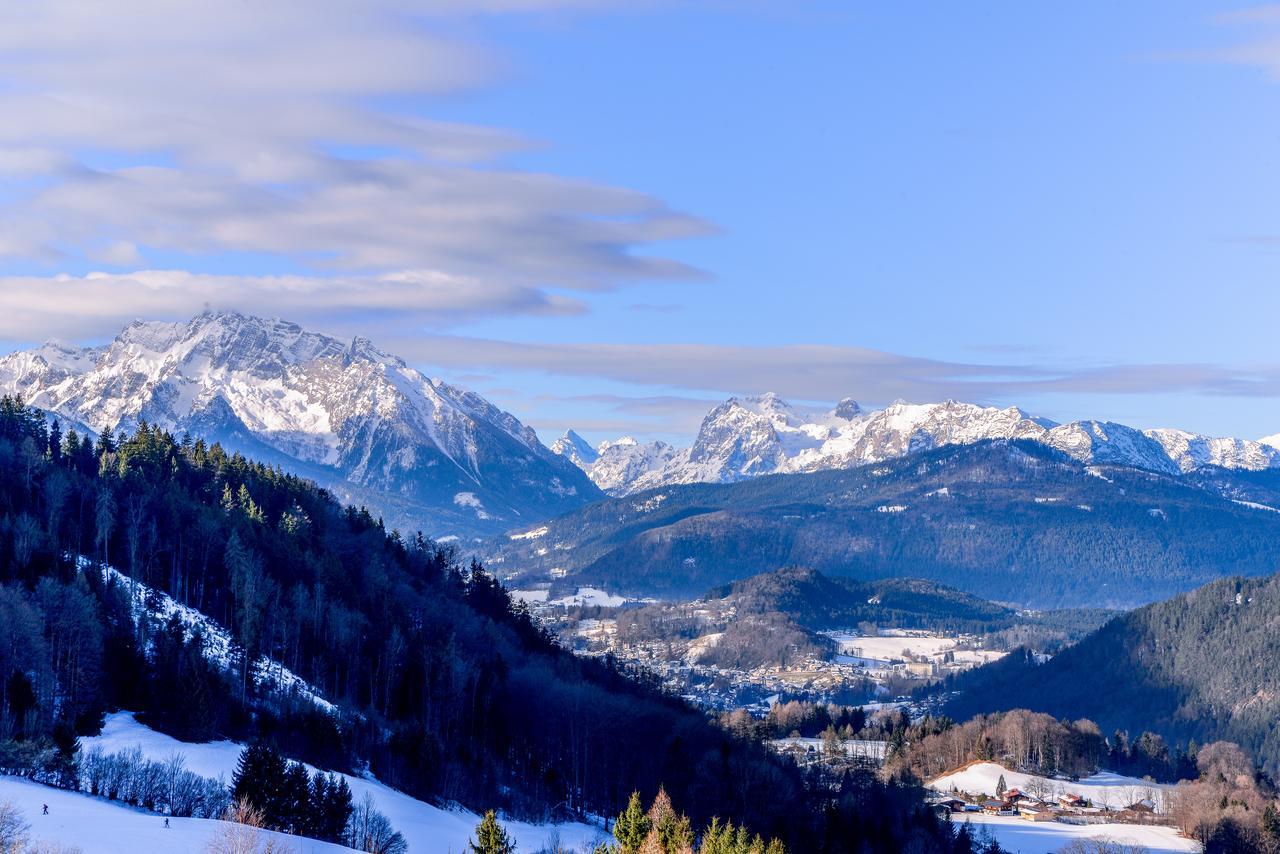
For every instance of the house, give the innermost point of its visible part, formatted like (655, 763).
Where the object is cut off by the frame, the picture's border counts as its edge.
(998, 808)
(1037, 814)
(1071, 801)
(952, 804)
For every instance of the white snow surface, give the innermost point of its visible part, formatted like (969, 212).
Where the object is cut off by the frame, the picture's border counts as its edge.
(1103, 789)
(98, 826)
(425, 827)
(589, 597)
(887, 647)
(1024, 837)
(1253, 505)
(750, 436)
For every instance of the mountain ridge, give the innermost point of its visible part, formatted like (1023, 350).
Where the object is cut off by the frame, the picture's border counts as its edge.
(360, 421)
(1010, 521)
(747, 437)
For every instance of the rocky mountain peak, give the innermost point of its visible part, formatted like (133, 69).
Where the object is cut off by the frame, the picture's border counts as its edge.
(358, 420)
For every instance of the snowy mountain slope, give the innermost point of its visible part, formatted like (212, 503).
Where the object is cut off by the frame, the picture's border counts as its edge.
(1271, 441)
(358, 420)
(425, 827)
(752, 436)
(217, 643)
(99, 826)
(626, 461)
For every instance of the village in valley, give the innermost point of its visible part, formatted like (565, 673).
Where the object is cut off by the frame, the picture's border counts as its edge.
(696, 651)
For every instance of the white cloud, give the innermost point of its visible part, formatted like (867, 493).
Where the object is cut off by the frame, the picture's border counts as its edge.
(138, 130)
(101, 303)
(820, 372)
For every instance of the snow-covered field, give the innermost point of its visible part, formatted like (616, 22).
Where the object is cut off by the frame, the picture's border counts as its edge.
(886, 647)
(590, 596)
(1025, 837)
(425, 827)
(98, 826)
(1103, 789)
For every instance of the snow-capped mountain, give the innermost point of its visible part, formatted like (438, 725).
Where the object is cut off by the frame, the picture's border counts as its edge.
(627, 461)
(751, 436)
(427, 455)
(1271, 441)
(577, 449)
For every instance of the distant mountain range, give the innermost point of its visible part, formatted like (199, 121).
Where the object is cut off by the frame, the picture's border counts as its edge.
(751, 436)
(1008, 521)
(425, 454)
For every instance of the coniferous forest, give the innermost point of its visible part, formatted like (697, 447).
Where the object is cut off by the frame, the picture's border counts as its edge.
(442, 686)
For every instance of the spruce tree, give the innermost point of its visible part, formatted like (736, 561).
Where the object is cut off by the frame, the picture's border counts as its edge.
(295, 800)
(633, 826)
(259, 780)
(491, 837)
(1001, 787)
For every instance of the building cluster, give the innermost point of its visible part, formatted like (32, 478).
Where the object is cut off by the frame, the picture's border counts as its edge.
(1067, 807)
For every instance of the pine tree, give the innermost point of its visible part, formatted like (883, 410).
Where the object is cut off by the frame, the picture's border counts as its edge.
(55, 443)
(633, 826)
(491, 838)
(259, 780)
(295, 799)
(330, 807)
(1001, 787)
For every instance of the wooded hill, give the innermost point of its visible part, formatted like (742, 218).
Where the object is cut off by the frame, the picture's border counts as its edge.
(817, 601)
(1006, 521)
(1200, 666)
(444, 688)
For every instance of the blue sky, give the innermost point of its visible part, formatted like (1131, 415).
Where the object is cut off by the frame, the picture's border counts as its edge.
(1071, 208)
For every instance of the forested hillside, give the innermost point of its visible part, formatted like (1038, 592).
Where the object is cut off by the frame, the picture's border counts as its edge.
(441, 685)
(1200, 667)
(1007, 521)
(817, 601)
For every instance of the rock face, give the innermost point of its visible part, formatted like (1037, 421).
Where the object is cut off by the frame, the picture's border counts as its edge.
(427, 455)
(751, 436)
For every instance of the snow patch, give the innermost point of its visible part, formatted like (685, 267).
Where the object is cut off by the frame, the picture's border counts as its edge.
(1255, 505)
(468, 499)
(588, 597)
